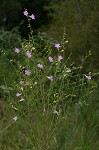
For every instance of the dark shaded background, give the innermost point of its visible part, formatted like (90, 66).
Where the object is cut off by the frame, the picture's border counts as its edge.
(78, 17)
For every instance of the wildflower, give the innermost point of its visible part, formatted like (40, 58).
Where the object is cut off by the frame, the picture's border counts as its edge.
(40, 66)
(27, 72)
(25, 13)
(88, 77)
(50, 78)
(57, 46)
(27, 83)
(21, 88)
(15, 118)
(22, 99)
(32, 17)
(18, 94)
(28, 54)
(68, 70)
(17, 50)
(35, 83)
(56, 112)
(21, 82)
(44, 110)
(60, 58)
(50, 59)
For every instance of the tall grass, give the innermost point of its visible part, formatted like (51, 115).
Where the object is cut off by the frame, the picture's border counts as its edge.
(45, 103)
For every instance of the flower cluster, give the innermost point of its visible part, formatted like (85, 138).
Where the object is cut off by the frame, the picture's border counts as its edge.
(41, 68)
(27, 15)
(41, 65)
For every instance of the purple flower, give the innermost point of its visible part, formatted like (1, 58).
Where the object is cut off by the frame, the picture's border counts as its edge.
(18, 94)
(32, 17)
(68, 70)
(60, 58)
(22, 99)
(25, 13)
(57, 46)
(15, 118)
(27, 72)
(17, 50)
(40, 66)
(28, 54)
(50, 78)
(88, 77)
(50, 59)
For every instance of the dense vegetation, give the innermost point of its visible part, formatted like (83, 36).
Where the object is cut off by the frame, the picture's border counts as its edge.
(79, 19)
(49, 85)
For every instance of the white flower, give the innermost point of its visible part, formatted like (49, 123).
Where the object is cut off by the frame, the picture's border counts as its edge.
(35, 83)
(68, 70)
(88, 77)
(27, 83)
(21, 88)
(56, 112)
(22, 99)
(15, 118)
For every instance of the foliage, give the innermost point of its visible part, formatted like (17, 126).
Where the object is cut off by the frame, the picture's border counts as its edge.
(80, 20)
(45, 103)
(9, 14)
(76, 129)
(9, 39)
(13, 16)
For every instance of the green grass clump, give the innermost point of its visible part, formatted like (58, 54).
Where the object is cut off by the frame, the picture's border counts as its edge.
(47, 104)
